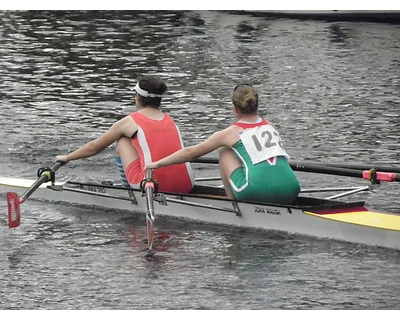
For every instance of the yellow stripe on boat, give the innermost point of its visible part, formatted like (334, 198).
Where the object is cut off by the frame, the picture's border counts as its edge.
(364, 218)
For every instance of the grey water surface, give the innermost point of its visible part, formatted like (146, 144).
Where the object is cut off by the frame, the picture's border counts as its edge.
(331, 88)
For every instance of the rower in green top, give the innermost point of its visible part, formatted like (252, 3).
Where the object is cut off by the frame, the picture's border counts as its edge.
(253, 162)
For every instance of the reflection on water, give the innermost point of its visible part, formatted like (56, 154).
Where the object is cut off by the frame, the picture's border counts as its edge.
(338, 35)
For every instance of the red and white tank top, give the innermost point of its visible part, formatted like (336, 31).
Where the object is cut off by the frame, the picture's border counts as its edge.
(155, 140)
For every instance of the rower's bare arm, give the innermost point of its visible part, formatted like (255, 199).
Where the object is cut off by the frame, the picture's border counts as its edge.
(216, 140)
(119, 129)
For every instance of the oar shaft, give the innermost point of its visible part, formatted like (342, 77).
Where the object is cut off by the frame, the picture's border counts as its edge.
(326, 170)
(210, 160)
(357, 172)
(44, 177)
(150, 203)
(149, 191)
(370, 174)
(382, 168)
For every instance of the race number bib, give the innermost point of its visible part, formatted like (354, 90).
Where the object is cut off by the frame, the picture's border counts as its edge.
(262, 143)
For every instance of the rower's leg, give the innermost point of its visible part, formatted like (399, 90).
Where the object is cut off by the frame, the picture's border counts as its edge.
(126, 154)
(227, 163)
(121, 172)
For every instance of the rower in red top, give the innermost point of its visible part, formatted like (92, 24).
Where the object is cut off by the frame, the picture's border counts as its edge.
(142, 137)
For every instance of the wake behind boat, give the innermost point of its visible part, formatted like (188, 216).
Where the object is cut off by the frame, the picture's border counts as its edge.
(310, 216)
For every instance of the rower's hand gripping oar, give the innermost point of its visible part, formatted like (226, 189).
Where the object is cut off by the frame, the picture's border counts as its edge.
(14, 202)
(149, 187)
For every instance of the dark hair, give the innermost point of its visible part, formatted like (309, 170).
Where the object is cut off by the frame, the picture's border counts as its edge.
(154, 85)
(245, 98)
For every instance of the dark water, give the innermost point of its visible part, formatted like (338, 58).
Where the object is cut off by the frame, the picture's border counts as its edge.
(331, 88)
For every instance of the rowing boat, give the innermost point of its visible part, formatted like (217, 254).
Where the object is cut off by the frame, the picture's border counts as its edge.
(325, 217)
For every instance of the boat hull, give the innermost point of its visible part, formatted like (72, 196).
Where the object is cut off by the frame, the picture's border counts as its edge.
(350, 222)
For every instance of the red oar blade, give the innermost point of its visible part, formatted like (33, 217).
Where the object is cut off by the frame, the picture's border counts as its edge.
(14, 216)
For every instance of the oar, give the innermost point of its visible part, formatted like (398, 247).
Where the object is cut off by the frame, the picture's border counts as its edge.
(14, 202)
(211, 160)
(148, 188)
(382, 168)
(365, 172)
(371, 174)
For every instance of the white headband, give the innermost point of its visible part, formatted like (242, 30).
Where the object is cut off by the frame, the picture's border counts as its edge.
(145, 93)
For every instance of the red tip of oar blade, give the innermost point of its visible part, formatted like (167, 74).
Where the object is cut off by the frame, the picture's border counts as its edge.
(381, 176)
(14, 216)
